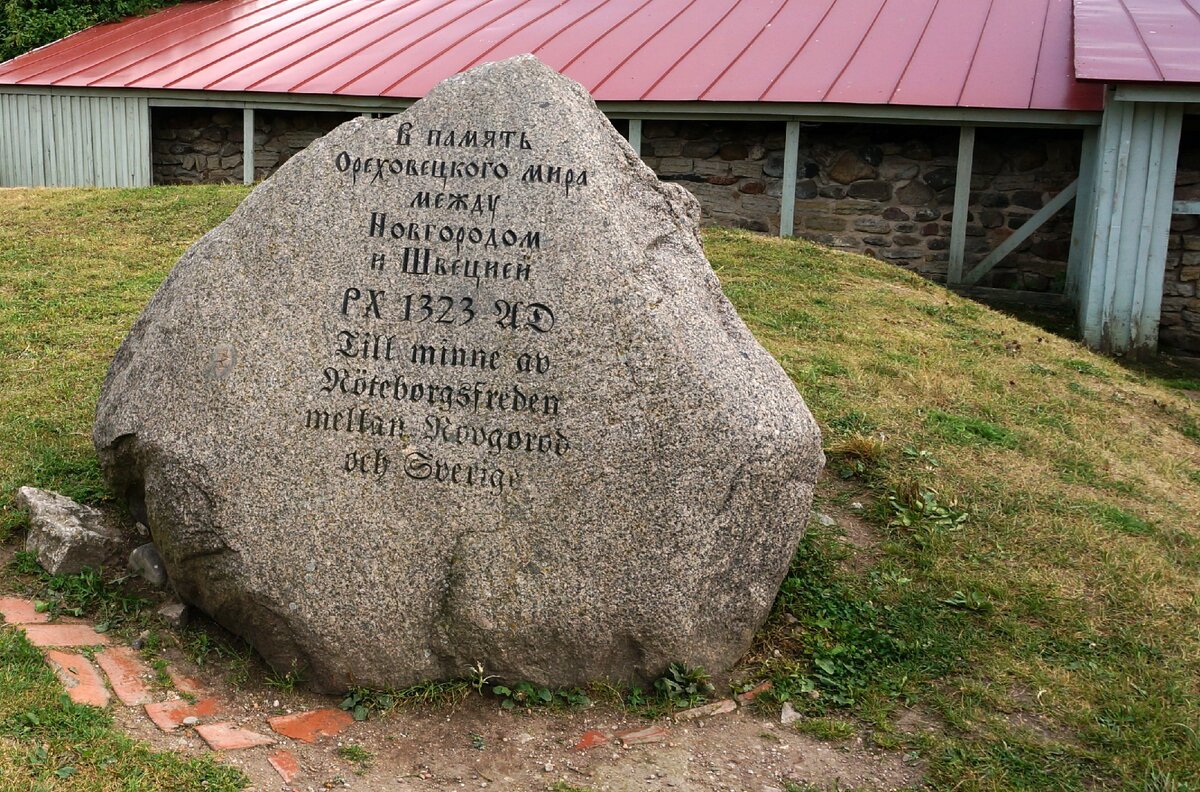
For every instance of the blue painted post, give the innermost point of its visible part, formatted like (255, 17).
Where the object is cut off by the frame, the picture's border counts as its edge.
(1121, 279)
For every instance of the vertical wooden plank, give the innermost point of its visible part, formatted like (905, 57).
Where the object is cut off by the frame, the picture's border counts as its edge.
(22, 139)
(1146, 322)
(6, 141)
(635, 135)
(1084, 210)
(120, 142)
(89, 131)
(60, 153)
(46, 124)
(247, 145)
(146, 136)
(962, 199)
(110, 144)
(791, 161)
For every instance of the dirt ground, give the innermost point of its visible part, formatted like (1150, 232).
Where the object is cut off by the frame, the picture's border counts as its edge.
(476, 744)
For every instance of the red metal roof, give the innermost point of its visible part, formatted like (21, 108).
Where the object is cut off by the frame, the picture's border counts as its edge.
(1138, 40)
(943, 53)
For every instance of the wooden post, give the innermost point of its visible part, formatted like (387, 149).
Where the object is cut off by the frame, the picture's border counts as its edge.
(1084, 210)
(635, 135)
(962, 198)
(248, 145)
(1120, 279)
(791, 160)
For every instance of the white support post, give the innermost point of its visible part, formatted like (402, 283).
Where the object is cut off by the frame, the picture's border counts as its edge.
(1085, 205)
(248, 145)
(962, 198)
(635, 135)
(1121, 278)
(791, 161)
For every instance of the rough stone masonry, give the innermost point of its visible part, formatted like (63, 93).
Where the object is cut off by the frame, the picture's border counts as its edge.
(457, 387)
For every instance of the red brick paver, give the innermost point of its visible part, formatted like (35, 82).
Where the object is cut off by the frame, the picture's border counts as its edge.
(707, 710)
(591, 739)
(308, 726)
(184, 683)
(285, 764)
(21, 611)
(755, 691)
(227, 737)
(81, 679)
(169, 715)
(64, 635)
(127, 675)
(650, 734)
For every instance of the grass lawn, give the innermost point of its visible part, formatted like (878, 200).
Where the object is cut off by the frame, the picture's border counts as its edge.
(1031, 587)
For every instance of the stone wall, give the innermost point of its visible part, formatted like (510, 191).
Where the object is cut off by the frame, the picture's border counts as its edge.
(1180, 326)
(883, 190)
(201, 146)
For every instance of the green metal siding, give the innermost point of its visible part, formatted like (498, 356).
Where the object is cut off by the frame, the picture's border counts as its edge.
(73, 140)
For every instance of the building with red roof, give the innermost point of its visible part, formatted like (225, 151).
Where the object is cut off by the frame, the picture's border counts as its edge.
(947, 136)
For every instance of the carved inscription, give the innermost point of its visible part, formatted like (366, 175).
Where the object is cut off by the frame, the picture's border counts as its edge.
(436, 375)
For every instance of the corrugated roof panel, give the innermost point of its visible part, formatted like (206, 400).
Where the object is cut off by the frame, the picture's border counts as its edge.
(884, 52)
(307, 59)
(1004, 65)
(751, 73)
(986, 53)
(659, 53)
(699, 68)
(830, 46)
(1137, 40)
(941, 62)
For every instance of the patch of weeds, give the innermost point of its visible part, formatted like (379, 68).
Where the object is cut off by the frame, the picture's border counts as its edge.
(964, 430)
(1073, 470)
(528, 695)
(357, 754)
(477, 742)
(1084, 367)
(853, 634)
(825, 728)
(856, 455)
(1189, 427)
(285, 682)
(683, 687)
(361, 702)
(924, 513)
(25, 563)
(1081, 390)
(85, 594)
(970, 600)
(433, 693)
(852, 422)
(563, 786)
(1118, 519)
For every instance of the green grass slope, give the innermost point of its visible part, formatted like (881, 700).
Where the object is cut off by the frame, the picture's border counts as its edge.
(1028, 582)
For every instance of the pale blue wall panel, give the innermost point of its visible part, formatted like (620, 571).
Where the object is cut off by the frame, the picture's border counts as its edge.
(63, 139)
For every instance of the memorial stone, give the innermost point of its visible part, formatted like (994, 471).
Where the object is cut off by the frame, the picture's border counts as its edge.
(459, 387)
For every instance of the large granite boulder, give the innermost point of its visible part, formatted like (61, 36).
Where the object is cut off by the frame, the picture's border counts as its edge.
(458, 386)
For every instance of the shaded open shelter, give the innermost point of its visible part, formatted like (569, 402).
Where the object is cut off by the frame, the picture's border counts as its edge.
(1115, 77)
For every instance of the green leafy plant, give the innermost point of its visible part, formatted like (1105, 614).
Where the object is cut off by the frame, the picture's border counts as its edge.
(361, 702)
(684, 687)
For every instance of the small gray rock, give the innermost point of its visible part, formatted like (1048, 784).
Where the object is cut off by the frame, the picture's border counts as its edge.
(174, 614)
(146, 561)
(190, 720)
(824, 519)
(788, 714)
(66, 536)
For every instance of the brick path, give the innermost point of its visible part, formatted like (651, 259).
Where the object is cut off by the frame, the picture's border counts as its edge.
(119, 671)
